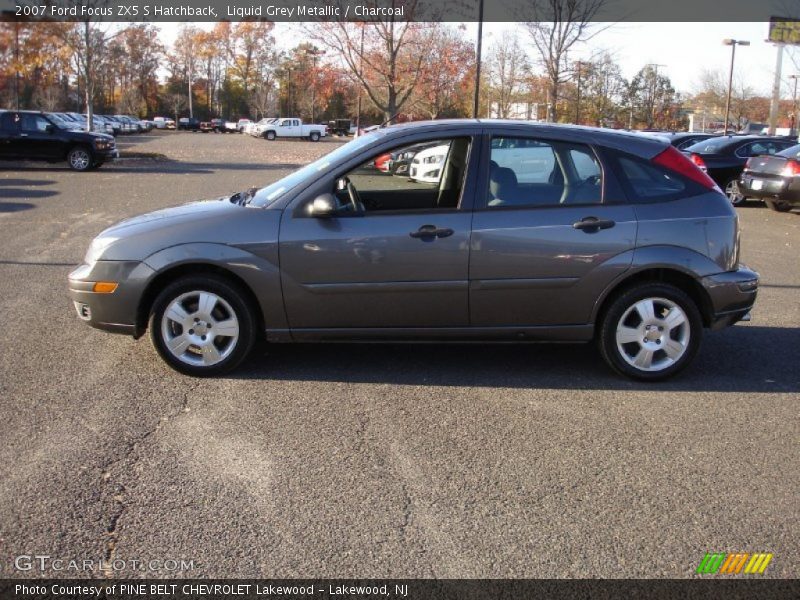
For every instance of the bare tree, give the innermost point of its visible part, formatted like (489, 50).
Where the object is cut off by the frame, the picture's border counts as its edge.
(384, 57)
(177, 102)
(507, 70)
(558, 26)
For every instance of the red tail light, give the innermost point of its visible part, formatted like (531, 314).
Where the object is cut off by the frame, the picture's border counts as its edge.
(698, 160)
(747, 164)
(676, 161)
(792, 168)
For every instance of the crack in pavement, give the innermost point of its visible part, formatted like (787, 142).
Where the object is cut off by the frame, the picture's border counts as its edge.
(111, 533)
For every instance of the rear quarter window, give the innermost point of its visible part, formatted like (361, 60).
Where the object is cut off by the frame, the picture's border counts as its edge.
(648, 181)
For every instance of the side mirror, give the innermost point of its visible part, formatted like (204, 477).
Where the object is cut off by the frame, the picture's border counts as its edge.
(323, 206)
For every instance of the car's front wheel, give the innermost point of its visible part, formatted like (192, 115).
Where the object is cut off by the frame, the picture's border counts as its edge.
(80, 158)
(650, 332)
(270, 135)
(202, 326)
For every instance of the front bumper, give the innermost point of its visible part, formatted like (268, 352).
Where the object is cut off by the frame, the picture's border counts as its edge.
(732, 295)
(117, 311)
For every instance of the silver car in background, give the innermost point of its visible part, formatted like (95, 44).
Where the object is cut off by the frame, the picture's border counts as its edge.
(528, 233)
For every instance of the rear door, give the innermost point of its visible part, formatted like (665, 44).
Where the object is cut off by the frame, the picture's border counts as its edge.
(547, 235)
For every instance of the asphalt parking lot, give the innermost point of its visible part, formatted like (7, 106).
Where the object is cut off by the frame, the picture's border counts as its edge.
(373, 461)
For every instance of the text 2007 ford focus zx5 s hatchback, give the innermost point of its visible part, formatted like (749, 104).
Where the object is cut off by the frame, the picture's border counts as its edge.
(521, 232)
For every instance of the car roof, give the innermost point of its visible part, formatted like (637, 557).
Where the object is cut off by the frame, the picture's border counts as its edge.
(625, 141)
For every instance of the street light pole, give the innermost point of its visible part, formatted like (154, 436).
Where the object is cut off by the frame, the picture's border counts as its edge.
(478, 49)
(794, 103)
(732, 43)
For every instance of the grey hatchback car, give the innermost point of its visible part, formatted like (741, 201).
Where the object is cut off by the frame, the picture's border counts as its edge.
(508, 231)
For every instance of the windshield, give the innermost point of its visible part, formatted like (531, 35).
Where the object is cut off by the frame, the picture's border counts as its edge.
(267, 195)
(62, 123)
(711, 146)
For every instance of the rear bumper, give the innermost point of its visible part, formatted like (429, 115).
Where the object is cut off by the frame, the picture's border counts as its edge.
(115, 312)
(785, 190)
(732, 295)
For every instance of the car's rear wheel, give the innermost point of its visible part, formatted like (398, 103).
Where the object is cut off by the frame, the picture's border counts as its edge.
(80, 158)
(778, 205)
(733, 193)
(314, 136)
(650, 331)
(202, 326)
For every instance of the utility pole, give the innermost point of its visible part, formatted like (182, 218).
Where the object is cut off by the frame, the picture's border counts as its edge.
(361, 77)
(16, 60)
(478, 49)
(794, 103)
(776, 91)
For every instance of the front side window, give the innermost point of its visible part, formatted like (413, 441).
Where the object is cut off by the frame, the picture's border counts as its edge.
(421, 176)
(34, 123)
(527, 173)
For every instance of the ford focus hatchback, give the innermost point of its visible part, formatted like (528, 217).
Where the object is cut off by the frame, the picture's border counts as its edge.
(521, 232)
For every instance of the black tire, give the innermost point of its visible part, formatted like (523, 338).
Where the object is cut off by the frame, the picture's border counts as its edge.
(618, 313)
(778, 205)
(314, 136)
(80, 158)
(236, 300)
(269, 135)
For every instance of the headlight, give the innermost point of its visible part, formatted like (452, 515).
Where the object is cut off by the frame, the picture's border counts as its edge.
(102, 144)
(433, 160)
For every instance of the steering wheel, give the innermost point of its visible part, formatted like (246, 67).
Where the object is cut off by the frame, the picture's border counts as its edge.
(355, 199)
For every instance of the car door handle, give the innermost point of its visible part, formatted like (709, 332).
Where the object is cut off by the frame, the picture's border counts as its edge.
(430, 231)
(593, 224)
(23, 135)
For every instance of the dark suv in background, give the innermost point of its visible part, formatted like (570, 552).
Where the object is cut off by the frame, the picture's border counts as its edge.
(30, 135)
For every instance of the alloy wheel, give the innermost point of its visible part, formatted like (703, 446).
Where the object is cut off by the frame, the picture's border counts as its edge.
(79, 159)
(200, 328)
(653, 334)
(733, 193)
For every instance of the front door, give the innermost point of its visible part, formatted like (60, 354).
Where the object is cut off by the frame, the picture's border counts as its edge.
(547, 240)
(396, 254)
(38, 137)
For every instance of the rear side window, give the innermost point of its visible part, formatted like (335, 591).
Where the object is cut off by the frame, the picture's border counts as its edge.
(651, 182)
(526, 172)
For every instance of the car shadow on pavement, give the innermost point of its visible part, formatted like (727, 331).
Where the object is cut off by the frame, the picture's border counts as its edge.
(739, 359)
(24, 193)
(9, 207)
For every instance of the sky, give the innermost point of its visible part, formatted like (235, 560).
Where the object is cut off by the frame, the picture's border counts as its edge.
(683, 50)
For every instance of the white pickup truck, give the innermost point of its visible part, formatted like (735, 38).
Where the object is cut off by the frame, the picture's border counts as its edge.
(292, 127)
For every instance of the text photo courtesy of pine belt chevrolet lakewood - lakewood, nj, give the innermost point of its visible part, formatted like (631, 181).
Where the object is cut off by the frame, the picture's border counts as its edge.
(425, 299)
